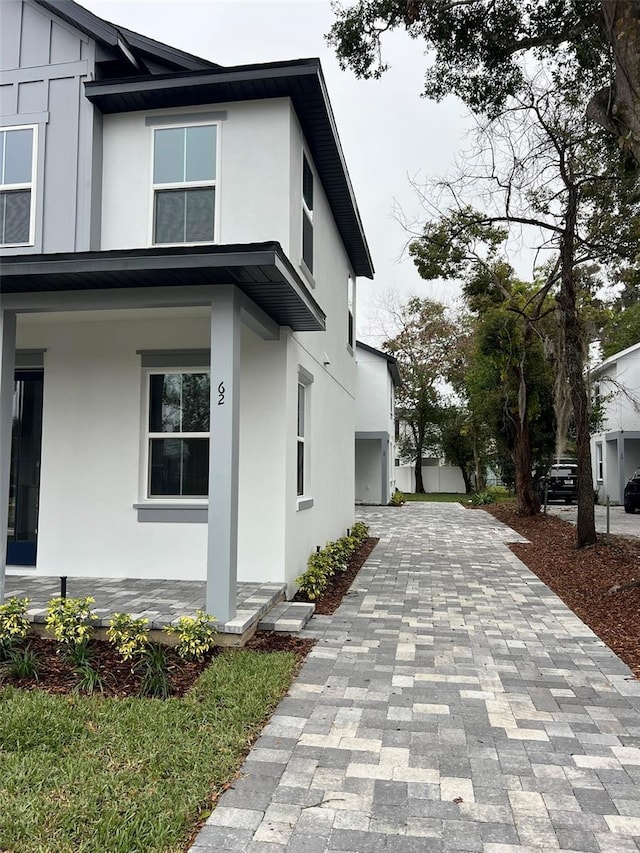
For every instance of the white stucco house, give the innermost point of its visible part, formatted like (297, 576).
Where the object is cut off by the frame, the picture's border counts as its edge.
(377, 378)
(615, 449)
(179, 245)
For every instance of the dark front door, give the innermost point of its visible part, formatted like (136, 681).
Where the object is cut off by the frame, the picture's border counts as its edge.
(24, 487)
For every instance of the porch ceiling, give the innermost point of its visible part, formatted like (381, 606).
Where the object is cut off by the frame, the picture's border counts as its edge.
(260, 270)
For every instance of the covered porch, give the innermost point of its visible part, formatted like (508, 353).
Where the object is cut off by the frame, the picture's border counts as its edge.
(257, 606)
(233, 287)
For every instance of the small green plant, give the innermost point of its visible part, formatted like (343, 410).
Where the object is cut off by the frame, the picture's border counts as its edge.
(128, 635)
(360, 531)
(397, 498)
(313, 582)
(88, 679)
(196, 635)
(20, 662)
(483, 498)
(79, 654)
(14, 624)
(69, 619)
(154, 665)
(334, 557)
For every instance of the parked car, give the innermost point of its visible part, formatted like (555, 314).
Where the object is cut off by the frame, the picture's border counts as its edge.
(632, 493)
(560, 483)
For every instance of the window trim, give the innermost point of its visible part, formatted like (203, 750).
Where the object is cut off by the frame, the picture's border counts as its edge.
(304, 380)
(169, 502)
(169, 124)
(351, 319)
(307, 213)
(599, 462)
(31, 185)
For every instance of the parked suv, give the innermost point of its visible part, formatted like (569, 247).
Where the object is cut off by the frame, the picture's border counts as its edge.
(632, 493)
(561, 483)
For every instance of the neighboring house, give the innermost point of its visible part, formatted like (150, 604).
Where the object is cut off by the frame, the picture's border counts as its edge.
(377, 378)
(615, 449)
(179, 244)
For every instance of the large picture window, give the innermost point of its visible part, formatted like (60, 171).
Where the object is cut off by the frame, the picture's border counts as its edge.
(184, 184)
(17, 166)
(178, 434)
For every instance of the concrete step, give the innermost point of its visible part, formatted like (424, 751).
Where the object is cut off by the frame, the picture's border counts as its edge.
(251, 610)
(288, 617)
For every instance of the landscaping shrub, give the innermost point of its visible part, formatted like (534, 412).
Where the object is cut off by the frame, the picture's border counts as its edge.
(334, 557)
(128, 635)
(14, 624)
(398, 498)
(196, 635)
(69, 620)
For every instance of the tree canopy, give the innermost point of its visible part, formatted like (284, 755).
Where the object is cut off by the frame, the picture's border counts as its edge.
(476, 50)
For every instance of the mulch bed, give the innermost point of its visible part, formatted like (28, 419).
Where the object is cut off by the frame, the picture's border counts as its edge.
(57, 675)
(591, 581)
(339, 585)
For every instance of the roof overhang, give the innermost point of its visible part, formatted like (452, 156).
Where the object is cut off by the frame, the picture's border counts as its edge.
(260, 270)
(392, 361)
(301, 80)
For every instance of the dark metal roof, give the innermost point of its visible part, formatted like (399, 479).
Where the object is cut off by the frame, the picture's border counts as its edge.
(301, 80)
(261, 270)
(392, 361)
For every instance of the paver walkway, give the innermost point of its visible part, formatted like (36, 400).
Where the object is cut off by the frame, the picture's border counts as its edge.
(453, 703)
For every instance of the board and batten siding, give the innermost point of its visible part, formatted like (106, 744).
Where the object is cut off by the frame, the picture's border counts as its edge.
(44, 63)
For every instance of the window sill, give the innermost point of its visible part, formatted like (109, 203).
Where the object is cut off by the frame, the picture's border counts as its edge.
(304, 503)
(174, 512)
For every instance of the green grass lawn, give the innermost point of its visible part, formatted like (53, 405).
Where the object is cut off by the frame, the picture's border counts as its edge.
(440, 497)
(500, 495)
(85, 774)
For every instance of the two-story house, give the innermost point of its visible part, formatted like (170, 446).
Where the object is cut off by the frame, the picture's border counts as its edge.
(179, 244)
(377, 378)
(615, 448)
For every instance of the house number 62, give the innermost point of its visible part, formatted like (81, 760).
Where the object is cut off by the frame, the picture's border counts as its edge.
(221, 391)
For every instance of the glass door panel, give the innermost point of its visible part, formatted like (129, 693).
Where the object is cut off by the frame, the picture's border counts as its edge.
(24, 484)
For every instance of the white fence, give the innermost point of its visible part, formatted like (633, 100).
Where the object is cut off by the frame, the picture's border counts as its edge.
(441, 478)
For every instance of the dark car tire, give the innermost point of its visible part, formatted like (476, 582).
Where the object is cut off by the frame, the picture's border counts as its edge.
(630, 509)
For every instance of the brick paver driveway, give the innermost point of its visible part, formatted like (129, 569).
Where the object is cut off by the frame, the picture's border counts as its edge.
(453, 703)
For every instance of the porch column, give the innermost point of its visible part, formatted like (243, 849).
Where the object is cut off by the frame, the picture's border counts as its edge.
(222, 548)
(7, 367)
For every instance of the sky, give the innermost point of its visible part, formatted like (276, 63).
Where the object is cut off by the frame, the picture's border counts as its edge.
(389, 133)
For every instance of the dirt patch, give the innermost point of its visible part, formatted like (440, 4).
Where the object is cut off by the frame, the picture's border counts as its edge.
(597, 583)
(120, 679)
(339, 585)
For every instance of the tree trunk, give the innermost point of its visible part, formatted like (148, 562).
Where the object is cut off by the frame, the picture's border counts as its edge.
(468, 485)
(418, 472)
(617, 108)
(527, 497)
(573, 344)
(481, 483)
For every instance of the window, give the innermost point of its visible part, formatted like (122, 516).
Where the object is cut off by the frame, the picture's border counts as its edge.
(178, 446)
(17, 167)
(305, 380)
(307, 214)
(184, 184)
(350, 288)
(301, 442)
(599, 464)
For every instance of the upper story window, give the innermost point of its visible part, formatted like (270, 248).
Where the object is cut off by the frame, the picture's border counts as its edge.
(350, 287)
(184, 184)
(17, 196)
(307, 214)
